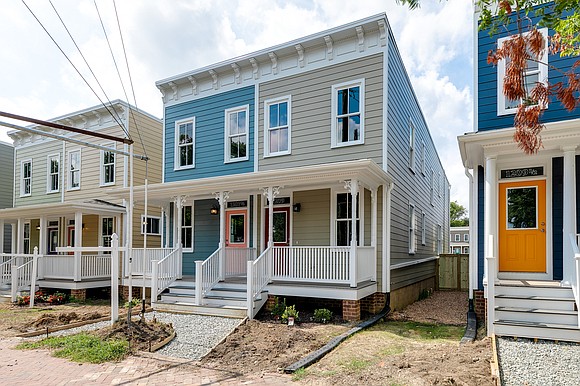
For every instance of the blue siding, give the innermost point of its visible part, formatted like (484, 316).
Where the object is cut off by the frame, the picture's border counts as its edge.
(206, 235)
(487, 86)
(480, 224)
(557, 215)
(209, 135)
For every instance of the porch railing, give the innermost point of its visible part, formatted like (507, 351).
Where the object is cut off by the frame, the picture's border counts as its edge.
(95, 266)
(142, 258)
(23, 276)
(259, 273)
(366, 263)
(207, 274)
(62, 266)
(575, 282)
(237, 260)
(7, 260)
(164, 272)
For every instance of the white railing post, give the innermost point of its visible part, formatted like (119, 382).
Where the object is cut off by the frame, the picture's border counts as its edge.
(77, 266)
(114, 278)
(577, 261)
(14, 284)
(198, 282)
(154, 279)
(250, 291)
(33, 276)
(179, 262)
(491, 275)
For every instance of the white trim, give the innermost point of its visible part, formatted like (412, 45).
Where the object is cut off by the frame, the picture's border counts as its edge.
(49, 174)
(227, 150)
(102, 165)
(100, 241)
(176, 165)
(22, 189)
(412, 145)
(411, 229)
(542, 72)
(334, 105)
(69, 171)
(143, 225)
(164, 143)
(180, 227)
(256, 125)
(333, 215)
(267, 129)
(413, 262)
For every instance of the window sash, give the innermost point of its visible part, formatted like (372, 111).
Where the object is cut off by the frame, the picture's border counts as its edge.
(152, 226)
(237, 122)
(277, 123)
(108, 167)
(187, 227)
(348, 113)
(53, 173)
(185, 139)
(74, 169)
(344, 219)
(412, 235)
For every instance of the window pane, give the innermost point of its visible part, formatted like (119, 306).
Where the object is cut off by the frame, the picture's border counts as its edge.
(342, 127)
(242, 146)
(521, 208)
(237, 228)
(283, 140)
(186, 238)
(342, 234)
(354, 100)
(75, 180)
(342, 206)
(234, 147)
(241, 122)
(273, 115)
(283, 110)
(279, 227)
(186, 220)
(354, 128)
(342, 102)
(233, 123)
(274, 143)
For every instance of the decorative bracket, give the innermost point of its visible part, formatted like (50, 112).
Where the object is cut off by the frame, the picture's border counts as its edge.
(193, 84)
(237, 74)
(214, 78)
(271, 192)
(274, 60)
(351, 186)
(382, 32)
(360, 32)
(328, 41)
(98, 117)
(254, 67)
(222, 197)
(179, 201)
(300, 51)
(174, 88)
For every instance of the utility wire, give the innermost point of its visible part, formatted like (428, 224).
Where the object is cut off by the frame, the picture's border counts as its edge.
(70, 61)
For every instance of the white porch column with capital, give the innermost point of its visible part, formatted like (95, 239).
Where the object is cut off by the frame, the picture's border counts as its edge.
(271, 193)
(179, 202)
(79, 243)
(43, 245)
(353, 188)
(569, 210)
(491, 210)
(222, 199)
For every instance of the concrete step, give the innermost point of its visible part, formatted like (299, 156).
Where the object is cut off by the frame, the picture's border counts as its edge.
(533, 330)
(539, 302)
(211, 310)
(535, 315)
(228, 292)
(546, 290)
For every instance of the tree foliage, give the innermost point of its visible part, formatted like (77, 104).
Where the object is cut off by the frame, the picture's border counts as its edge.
(458, 215)
(524, 49)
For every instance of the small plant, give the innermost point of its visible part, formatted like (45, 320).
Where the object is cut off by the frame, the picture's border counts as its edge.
(322, 315)
(290, 312)
(278, 309)
(132, 303)
(23, 300)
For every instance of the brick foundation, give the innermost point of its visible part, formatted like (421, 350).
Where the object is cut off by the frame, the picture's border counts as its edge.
(351, 310)
(374, 303)
(124, 292)
(79, 294)
(480, 305)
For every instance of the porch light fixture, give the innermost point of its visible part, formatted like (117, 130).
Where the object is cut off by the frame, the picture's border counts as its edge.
(296, 207)
(214, 210)
(38, 227)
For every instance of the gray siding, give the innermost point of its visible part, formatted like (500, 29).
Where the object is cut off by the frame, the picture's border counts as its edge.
(311, 114)
(6, 175)
(312, 224)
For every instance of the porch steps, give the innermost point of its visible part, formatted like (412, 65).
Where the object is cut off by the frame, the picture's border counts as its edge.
(225, 299)
(542, 311)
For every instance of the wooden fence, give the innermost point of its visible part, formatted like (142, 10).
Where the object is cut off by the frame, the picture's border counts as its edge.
(453, 272)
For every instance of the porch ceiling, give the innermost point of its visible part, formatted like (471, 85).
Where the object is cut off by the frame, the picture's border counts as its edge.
(97, 207)
(366, 171)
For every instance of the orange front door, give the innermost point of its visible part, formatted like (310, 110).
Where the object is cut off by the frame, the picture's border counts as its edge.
(236, 228)
(522, 226)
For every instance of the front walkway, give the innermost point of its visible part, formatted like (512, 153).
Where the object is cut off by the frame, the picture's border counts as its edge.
(37, 367)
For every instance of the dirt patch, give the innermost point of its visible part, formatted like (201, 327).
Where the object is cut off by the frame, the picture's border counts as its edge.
(141, 335)
(442, 307)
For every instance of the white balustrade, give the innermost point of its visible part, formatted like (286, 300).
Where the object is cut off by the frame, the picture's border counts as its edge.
(58, 267)
(259, 274)
(24, 275)
(207, 274)
(312, 264)
(164, 272)
(95, 266)
(142, 259)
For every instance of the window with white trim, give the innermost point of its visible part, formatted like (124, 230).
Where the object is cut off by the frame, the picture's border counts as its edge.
(236, 135)
(466, 237)
(151, 226)
(185, 143)
(277, 118)
(457, 237)
(412, 237)
(344, 219)
(348, 114)
(74, 170)
(26, 238)
(411, 146)
(536, 71)
(423, 228)
(108, 166)
(187, 228)
(53, 173)
(423, 158)
(26, 178)
(107, 230)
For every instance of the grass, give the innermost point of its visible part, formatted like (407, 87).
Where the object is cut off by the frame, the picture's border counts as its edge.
(357, 364)
(392, 350)
(83, 347)
(423, 331)
(299, 374)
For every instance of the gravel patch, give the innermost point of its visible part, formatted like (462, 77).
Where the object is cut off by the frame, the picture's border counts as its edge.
(525, 362)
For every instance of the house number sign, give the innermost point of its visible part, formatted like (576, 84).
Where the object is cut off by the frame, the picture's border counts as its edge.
(522, 172)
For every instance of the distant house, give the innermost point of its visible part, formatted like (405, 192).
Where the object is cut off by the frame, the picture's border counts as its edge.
(302, 170)
(6, 189)
(60, 193)
(459, 240)
(523, 211)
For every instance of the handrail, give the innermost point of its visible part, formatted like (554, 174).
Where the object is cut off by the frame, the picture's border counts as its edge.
(24, 275)
(164, 272)
(575, 282)
(6, 269)
(207, 274)
(259, 275)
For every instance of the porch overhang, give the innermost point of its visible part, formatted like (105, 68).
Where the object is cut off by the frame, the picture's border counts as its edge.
(473, 147)
(365, 171)
(96, 207)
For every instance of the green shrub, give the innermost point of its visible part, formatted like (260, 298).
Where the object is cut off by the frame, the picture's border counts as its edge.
(322, 315)
(278, 309)
(289, 312)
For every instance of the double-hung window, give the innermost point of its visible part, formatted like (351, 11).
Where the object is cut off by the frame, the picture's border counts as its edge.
(74, 169)
(185, 143)
(536, 71)
(187, 228)
(26, 238)
(108, 167)
(348, 113)
(412, 237)
(26, 178)
(457, 237)
(53, 173)
(411, 146)
(344, 219)
(236, 140)
(106, 231)
(277, 114)
(466, 237)
(151, 226)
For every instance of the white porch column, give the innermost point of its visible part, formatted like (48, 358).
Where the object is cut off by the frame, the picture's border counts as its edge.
(270, 193)
(490, 228)
(79, 243)
(374, 229)
(14, 243)
(179, 202)
(352, 186)
(164, 227)
(222, 199)
(569, 210)
(1, 236)
(20, 236)
(42, 236)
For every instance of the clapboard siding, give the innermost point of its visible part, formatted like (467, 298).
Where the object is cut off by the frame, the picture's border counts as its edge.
(6, 174)
(412, 274)
(311, 114)
(311, 226)
(206, 235)
(209, 116)
(412, 187)
(487, 84)
(148, 130)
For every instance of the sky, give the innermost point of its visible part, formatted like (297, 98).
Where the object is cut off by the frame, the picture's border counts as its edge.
(166, 38)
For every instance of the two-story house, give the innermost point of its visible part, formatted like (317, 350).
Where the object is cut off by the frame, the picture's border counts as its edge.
(60, 192)
(523, 216)
(301, 170)
(6, 189)
(459, 240)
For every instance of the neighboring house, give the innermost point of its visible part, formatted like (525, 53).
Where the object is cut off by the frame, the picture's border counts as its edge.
(459, 240)
(523, 216)
(60, 192)
(302, 170)
(6, 189)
